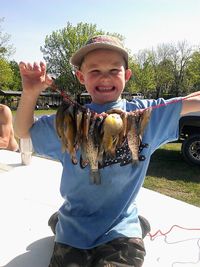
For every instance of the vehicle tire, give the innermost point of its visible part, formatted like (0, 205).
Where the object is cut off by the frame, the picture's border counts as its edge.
(191, 149)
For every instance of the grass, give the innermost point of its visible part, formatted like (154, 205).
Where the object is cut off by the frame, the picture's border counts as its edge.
(170, 175)
(39, 112)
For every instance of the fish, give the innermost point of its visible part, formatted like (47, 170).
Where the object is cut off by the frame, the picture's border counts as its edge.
(78, 121)
(59, 122)
(112, 127)
(95, 127)
(133, 136)
(99, 134)
(123, 133)
(96, 131)
(86, 123)
(144, 120)
(70, 134)
(115, 110)
(90, 156)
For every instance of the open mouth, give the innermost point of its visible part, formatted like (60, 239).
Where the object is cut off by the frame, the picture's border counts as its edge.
(105, 89)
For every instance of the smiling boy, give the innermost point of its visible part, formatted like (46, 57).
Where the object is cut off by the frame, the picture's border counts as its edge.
(104, 75)
(98, 225)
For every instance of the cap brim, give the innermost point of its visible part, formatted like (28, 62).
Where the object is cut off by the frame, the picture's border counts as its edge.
(77, 58)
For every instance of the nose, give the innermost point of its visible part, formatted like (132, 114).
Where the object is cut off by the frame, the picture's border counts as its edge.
(105, 76)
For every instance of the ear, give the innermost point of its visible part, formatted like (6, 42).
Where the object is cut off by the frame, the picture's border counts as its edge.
(80, 76)
(128, 74)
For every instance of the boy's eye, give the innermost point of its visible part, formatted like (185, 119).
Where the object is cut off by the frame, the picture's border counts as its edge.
(95, 71)
(115, 71)
(111, 72)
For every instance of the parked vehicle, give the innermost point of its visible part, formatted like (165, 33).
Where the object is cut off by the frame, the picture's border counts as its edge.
(189, 135)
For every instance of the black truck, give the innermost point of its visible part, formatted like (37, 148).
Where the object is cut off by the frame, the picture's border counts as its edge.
(189, 135)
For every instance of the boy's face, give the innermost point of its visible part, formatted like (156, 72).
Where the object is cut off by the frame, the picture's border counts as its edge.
(103, 74)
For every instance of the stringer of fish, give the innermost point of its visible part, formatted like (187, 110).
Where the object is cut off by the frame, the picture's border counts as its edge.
(97, 135)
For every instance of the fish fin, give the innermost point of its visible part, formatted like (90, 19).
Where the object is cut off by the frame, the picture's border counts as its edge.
(83, 162)
(74, 160)
(95, 177)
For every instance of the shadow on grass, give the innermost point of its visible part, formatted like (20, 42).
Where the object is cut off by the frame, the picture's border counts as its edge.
(170, 164)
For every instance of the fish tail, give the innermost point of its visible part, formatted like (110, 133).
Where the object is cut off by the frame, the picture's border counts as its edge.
(95, 177)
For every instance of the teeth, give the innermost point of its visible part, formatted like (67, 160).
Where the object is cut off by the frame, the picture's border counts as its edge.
(104, 89)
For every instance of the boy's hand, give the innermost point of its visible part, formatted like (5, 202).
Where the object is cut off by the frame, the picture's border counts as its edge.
(34, 76)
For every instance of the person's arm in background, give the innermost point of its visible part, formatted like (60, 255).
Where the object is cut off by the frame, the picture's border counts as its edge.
(34, 81)
(5, 126)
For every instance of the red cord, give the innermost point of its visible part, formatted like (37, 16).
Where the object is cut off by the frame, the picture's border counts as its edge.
(67, 98)
(160, 233)
(173, 101)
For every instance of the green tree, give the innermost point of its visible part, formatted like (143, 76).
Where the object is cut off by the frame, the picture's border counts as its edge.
(193, 72)
(162, 67)
(143, 78)
(165, 68)
(180, 55)
(6, 74)
(6, 49)
(164, 77)
(15, 84)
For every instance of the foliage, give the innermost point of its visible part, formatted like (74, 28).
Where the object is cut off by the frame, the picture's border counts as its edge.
(143, 78)
(193, 71)
(6, 49)
(6, 74)
(165, 71)
(15, 85)
(180, 56)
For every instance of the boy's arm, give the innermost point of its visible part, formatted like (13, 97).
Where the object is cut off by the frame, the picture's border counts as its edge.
(34, 81)
(191, 103)
(24, 117)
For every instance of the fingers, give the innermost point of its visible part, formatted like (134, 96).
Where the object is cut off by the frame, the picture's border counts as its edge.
(29, 66)
(35, 71)
(35, 66)
(25, 66)
(22, 65)
(49, 80)
(42, 65)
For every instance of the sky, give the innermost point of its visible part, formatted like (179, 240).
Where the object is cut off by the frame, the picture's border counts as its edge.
(144, 23)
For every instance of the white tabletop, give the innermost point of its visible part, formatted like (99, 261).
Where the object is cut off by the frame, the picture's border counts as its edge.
(30, 194)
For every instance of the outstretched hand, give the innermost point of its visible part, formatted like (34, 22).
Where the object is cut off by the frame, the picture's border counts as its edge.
(34, 77)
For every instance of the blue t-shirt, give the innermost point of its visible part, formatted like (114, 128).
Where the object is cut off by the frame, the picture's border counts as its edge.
(95, 214)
